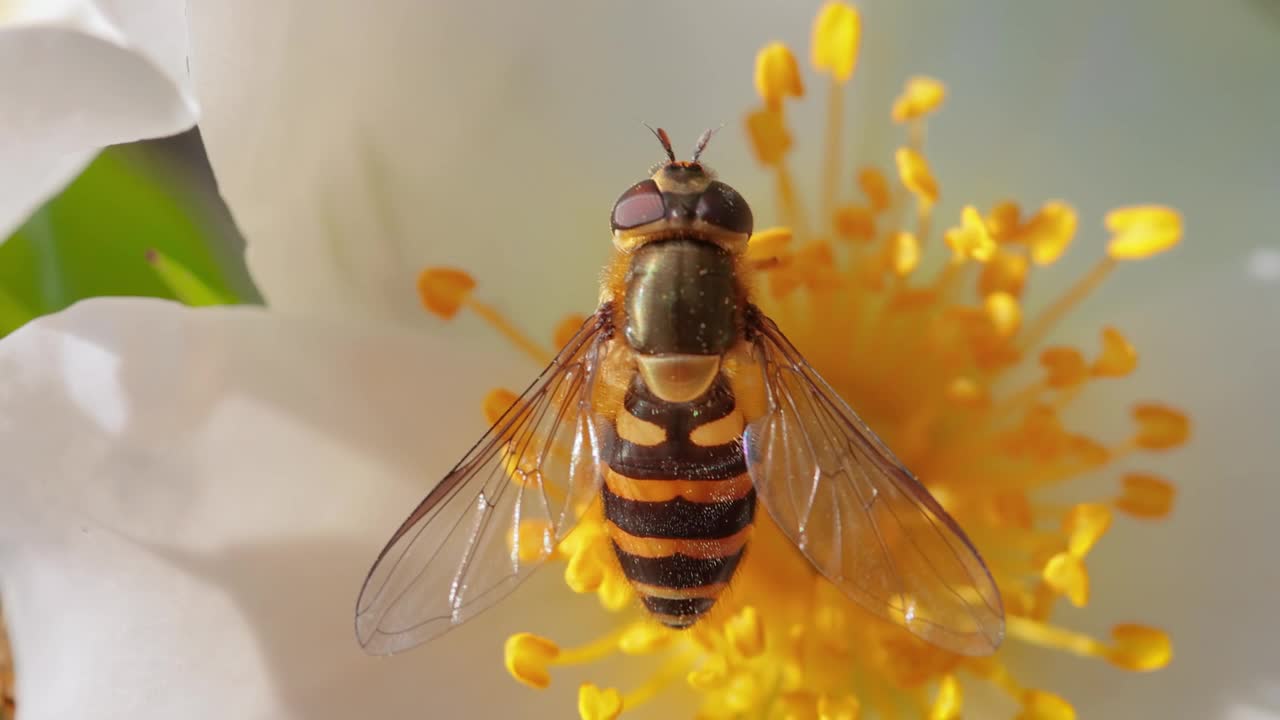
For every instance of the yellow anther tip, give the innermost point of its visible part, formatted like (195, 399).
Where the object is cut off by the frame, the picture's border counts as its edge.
(1142, 231)
(1049, 232)
(916, 176)
(1118, 358)
(528, 657)
(1146, 496)
(1161, 427)
(597, 704)
(837, 33)
(1140, 648)
(769, 245)
(904, 253)
(443, 290)
(949, 703)
(1003, 311)
(1064, 367)
(497, 402)
(777, 74)
(643, 638)
(1041, 705)
(585, 572)
(1065, 574)
(972, 240)
(769, 136)
(921, 96)
(875, 186)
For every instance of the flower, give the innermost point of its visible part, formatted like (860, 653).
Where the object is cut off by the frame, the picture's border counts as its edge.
(170, 547)
(930, 351)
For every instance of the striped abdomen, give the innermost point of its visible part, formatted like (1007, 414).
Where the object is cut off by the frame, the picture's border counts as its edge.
(678, 498)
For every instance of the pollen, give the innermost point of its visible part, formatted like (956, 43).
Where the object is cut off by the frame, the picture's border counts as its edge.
(528, 658)
(837, 33)
(961, 369)
(922, 96)
(777, 75)
(597, 704)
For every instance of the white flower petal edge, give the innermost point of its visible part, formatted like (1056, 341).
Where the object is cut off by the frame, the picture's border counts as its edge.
(79, 75)
(191, 500)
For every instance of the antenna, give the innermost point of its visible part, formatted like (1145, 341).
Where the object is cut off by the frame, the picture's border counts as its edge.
(665, 140)
(703, 140)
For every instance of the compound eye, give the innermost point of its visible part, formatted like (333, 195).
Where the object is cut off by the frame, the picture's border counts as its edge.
(640, 205)
(722, 206)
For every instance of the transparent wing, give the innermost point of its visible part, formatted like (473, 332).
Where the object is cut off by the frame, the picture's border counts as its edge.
(538, 468)
(859, 516)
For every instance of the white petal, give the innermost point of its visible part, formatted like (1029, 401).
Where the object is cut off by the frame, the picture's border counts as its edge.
(191, 501)
(80, 75)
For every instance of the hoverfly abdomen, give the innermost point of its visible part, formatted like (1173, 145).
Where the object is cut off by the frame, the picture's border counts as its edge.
(678, 498)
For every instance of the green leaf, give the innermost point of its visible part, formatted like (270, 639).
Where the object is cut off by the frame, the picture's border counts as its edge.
(93, 239)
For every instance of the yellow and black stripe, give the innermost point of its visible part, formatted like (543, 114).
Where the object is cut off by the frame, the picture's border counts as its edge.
(678, 500)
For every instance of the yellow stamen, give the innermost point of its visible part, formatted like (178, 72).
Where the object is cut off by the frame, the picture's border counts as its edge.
(949, 704)
(1066, 574)
(837, 33)
(777, 75)
(444, 291)
(668, 673)
(528, 657)
(904, 253)
(768, 247)
(916, 176)
(1160, 427)
(1004, 313)
(971, 240)
(1137, 647)
(832, 154)
(1055, 312)
(1145, 496)
(1005, 221)
(1004, 272)
(1064, 367)
(1118, 358)
(644, 638)
(770, 139)
(921, 96)
(1084, 525)
(1050, 231)
(597, 704)
(1142, 231)
(497, 402)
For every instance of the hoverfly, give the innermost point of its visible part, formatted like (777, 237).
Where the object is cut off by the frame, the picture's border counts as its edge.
(682, 407)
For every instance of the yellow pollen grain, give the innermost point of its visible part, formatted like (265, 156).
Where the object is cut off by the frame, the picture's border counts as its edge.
(875, 186)
(527, 657)
(777, 75)
(1160, 427)
(921, 96)
(916, 176)
(949, 703)
(1142, 231)
(1146, 496)
(597, 704)
(837, 34)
